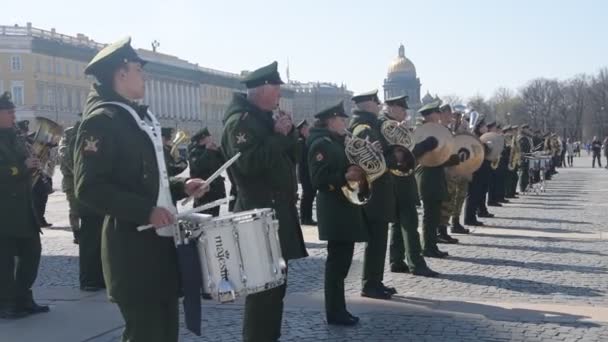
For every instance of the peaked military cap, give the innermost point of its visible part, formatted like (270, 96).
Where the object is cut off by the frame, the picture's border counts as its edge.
(445, 107)
(515, 127)
(430, 108)
(491, 124)
(507, 128)
(166, 132)
(524, 126)
(201, 134)
(371, 95)
(268, 74)
(111, 57)
(6, 102)
(301, 124)
(333, 111)
(400, 101)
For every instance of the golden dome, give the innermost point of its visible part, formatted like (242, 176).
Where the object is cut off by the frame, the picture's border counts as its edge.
(401, 64)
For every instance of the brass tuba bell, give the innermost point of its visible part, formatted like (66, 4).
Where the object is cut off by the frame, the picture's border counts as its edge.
(400, 139)
(180, 138)
(368, 157)
(47, 136)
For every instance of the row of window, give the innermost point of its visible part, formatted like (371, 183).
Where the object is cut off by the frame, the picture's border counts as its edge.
(50, 66)
(58, 96)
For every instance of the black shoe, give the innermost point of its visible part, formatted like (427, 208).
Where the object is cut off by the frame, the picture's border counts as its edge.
(76, 241)
(206, 296)
(92, 288)
(446, 239)
(345, 319)
(459, 229)
(389, 289)
(376, 293)
(46, 224)
(504, 200)
(435, 254)
(309, 222)
(494, 204)
(473, 223)
(425, 272)
(400, 267)
(34, 308)
(13, 313)
(486, 214)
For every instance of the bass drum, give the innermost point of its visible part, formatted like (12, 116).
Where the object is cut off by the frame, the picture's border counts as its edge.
(471, 154)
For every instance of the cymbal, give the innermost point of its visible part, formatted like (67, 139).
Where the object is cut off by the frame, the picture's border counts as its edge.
(471, 153)
(445, 143)
(495, 142)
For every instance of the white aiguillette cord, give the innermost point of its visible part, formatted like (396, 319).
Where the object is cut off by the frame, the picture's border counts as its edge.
(214, 176)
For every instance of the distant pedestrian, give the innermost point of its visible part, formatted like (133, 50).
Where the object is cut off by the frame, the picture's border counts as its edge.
(596, 146)
(569, 153)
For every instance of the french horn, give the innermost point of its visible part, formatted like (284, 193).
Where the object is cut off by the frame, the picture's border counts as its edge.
(368, 158)
(445, 143)
(400, 139)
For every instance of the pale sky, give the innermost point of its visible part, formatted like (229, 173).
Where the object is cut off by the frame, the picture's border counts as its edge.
(459, 47)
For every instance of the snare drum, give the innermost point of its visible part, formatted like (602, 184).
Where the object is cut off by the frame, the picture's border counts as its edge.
(241, 254)
(534, 164)
(543, 163)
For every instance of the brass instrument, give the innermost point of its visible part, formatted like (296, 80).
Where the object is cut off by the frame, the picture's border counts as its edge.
(180, 138)
(515, 154)
(494, 164)
(471, 153)
(445, 143)
(496, 143)
(369, 159)
(399, 137)
(47, 136)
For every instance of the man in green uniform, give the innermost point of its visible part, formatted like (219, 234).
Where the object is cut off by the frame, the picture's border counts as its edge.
(175, 166)
(433, 190)
(525, 146)
(265, 176)
(117, 174)
(205, 158)
(340, 221)
(20, 229)
(405, 253)
(66, 154)
(447, 119)
(308, 192)
(380, 210)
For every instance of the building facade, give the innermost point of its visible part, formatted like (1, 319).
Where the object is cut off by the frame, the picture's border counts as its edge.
(310, 98)
(44, 72)
(402, 79)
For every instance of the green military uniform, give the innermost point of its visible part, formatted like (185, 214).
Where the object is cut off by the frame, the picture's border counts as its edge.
(340, 222)
(116, 174)
(20, 229)
(525, 146)
(203, 163)
(265, 177)
(174, 167)
(66, 153)
(380, 210)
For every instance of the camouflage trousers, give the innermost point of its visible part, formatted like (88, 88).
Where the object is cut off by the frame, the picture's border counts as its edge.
(457, 192)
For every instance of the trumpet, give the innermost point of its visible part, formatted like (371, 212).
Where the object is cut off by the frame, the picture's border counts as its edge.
(368, 157)
(180, 137)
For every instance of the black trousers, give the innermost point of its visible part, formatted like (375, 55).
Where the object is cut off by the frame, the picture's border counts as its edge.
(89, 248)
(19, 261)
(375, 253)
(337, 265)
(40, 196)
(151, 321)
(599, 160)
(308, 197)
(264, 315)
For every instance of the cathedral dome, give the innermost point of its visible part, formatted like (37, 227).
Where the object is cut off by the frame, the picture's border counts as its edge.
(401, 65)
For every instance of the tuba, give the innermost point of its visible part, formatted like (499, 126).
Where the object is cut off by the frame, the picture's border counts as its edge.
(399, 137)
(515, 155)
(180, 138)
(47, 136)
(367, 157)
(445, 143)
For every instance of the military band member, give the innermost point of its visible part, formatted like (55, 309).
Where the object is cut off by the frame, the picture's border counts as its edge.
(175, 166)
(405, 253)
(433, 190)
(265, 176)
(20, 229)
(512, 177)
(117, 174)
(458, 186)
(66, 153)
(308, 192)
(475, 195)
(482, 210)
(205, 157)
(340, 221)
(525, 146)
(380, 210)
(447, 119)
(497, 177)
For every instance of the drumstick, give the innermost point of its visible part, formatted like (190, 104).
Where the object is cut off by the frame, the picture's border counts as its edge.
(215, 175)
(193, 211)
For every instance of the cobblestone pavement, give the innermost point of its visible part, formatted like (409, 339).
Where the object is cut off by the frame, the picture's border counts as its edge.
(548, 249)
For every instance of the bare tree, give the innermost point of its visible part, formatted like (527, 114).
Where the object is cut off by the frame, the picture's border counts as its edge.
(598, 95)
(541, 98)
(479, 104)
(452, 99)
(575, 102)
